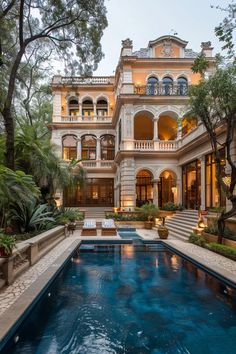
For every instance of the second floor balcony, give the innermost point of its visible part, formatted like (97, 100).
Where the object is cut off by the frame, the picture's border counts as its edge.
(161, 90)
(74, 118)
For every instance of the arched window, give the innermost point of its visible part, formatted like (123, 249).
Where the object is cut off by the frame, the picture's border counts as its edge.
(152, 86)
(88, 143)
(102, 107)
(87, 108)
(107, 147)
(69, 147)
(182, 86)
(167, 83)
(73, 108)
(144, 188)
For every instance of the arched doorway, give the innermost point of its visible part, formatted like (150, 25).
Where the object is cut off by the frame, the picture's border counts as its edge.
(143, 126)
(167, 126)
(167, 190)
(144, 187)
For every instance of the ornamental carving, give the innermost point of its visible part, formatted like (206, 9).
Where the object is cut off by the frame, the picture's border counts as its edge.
(127, 43)
(167, 49)
(206, 45)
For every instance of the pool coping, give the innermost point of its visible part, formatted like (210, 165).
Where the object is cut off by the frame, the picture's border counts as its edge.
(18, 311)
(221, 274)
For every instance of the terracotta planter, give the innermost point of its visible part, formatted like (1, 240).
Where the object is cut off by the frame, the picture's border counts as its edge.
(3, 253)
(163, 232)
(148, 225)
(165, 213)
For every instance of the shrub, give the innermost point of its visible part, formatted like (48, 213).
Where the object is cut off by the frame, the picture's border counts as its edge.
(129, 216)
(172, 207)
(226, 251)
(62, 220)
(197, 240)
(31, 217)
(217, 210)
(7, 243)
(149, 210)
(213, 229)
(71, 214)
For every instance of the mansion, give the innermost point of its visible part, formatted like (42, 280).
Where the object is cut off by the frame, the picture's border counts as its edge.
(132, 131)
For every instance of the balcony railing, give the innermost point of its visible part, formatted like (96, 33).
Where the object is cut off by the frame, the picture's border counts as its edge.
(86, 119)
(160, 145)
(161, 90)
(97, 164)
(99, 80)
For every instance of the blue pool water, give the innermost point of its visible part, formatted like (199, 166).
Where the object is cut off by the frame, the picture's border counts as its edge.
(122, 301)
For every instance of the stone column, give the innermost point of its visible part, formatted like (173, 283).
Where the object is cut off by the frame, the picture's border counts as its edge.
(98, 148)
(80, 110)
(95, 111)
(155, 136)
(179, 129)
(179, 185)
(79, 149)
(56, 106)
(128, 192)
(203, 183)
(155, 192)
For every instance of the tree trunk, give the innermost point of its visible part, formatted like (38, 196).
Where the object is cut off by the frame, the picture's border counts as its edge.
(221, 228)
(9, 126)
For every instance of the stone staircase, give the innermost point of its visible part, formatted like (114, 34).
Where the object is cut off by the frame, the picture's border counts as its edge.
(181, 224)
(95, 212)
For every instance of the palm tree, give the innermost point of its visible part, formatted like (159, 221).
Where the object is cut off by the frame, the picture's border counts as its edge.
(35, 155)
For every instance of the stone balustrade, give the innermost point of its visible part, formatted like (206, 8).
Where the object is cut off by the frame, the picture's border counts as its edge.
(145, 145)
(150, 145)
(82, 119)
(97, 164)
(28, 253)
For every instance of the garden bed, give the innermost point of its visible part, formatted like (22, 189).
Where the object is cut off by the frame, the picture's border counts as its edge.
(213, 238)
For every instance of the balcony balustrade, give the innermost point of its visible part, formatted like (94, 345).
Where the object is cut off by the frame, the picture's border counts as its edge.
(161, 90)
(96, 80)
(85, 119)
(97, 164)
(150, 145)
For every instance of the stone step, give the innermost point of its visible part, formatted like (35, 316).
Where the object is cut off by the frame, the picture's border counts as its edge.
(185, 223)
(185, 233)
(181, 218)
(177, 236)
(178, 228)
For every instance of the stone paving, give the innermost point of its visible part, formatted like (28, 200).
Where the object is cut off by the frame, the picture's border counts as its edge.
(10, 294)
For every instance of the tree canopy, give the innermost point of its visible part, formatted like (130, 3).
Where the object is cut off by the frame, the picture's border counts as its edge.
(69, 30)
(213, 102)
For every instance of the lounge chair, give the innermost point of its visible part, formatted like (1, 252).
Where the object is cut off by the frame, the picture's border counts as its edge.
(108, 227)
(89, 228)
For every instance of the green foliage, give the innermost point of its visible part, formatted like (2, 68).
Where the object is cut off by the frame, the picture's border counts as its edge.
(200, 65)
(127, 216)
(149, 210)
(197, 240)
(7, 243)
(70, 214)
(226, 28)
(213, 229)
(62, 220)
(172, 207)
(31, 217)
(35, 155)
(226, 251)
(216, 209)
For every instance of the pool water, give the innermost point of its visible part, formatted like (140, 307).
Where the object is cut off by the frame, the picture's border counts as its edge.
(124, 301)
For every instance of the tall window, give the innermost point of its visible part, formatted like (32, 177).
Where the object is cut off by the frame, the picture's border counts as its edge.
(69, 147)
(102, 108)
(87, 108)
(73, 108)
(88, 143)
(182, 85)
(119, 133)
(152, 86)
(107, 147)
(214, 197)
(167, 83)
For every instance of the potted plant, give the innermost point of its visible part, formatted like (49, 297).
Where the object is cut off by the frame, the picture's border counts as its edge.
(150, 211)
(7, 243)
(162, 230)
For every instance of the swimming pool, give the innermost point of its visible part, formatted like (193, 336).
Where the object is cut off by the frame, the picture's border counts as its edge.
(121, 299)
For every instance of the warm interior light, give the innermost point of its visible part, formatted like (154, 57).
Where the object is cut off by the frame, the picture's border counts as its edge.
(227, 180)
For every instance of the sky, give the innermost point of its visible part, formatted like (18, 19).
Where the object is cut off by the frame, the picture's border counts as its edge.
(145, 20)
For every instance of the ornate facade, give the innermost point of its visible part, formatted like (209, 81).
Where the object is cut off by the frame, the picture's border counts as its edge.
(132, 130)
